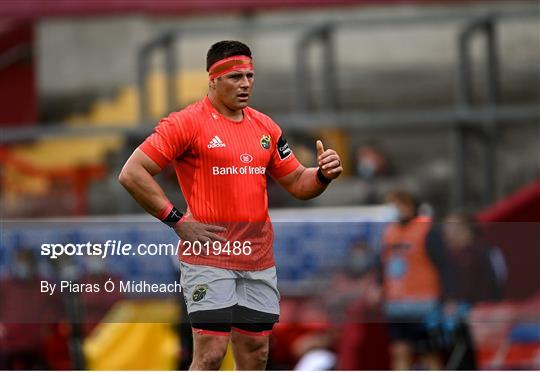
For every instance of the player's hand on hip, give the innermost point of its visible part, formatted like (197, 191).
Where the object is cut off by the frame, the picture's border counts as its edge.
(193, 231)
(328, 161)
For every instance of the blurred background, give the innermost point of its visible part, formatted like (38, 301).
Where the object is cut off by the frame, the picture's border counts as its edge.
(437, 99)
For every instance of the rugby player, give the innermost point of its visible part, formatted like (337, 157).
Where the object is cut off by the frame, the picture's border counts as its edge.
(222, 151)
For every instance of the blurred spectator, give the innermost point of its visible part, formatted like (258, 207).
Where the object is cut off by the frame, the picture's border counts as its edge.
(27, 315)
(372, 163)
(411, 284)
(363, 344)
(477, 269)
(375, 172)
(474, 271)
(356, 282)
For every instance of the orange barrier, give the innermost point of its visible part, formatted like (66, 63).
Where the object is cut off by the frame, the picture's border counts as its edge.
(67, 183)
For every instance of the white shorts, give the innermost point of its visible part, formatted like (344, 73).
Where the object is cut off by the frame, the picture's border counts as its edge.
(212, 288)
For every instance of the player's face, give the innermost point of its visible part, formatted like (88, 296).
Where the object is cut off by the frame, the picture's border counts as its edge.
(234, 89)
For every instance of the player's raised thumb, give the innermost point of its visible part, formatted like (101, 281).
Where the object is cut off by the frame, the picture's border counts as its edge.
(320, 148)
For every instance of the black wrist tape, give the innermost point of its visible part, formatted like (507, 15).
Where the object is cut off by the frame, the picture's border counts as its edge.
(174, 216)
(322, 178)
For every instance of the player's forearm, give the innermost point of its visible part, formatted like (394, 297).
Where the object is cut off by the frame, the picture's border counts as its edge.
(307, 186)
(143, 188)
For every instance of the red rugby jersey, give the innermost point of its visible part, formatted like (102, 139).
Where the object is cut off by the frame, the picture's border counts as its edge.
(221, 166)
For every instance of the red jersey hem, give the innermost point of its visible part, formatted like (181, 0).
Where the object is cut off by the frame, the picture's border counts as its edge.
(226, 266)
(250, 333)
(210, 333)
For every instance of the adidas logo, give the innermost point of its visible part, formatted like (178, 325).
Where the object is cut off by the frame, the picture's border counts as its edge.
(216, 142)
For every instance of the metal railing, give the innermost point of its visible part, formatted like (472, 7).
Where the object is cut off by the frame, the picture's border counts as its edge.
(486, 131)
(465, 120)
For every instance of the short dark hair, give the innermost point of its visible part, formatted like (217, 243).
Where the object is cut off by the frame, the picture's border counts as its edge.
(403, 196)
(467, 219)
(224, 49)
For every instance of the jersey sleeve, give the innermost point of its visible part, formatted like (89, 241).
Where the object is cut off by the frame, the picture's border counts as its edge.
(172, 136)
(283, 160)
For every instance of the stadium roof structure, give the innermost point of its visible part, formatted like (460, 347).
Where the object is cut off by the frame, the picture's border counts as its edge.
(71, 8)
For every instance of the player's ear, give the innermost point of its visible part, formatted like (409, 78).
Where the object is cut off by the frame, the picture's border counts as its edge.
(212, 83)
